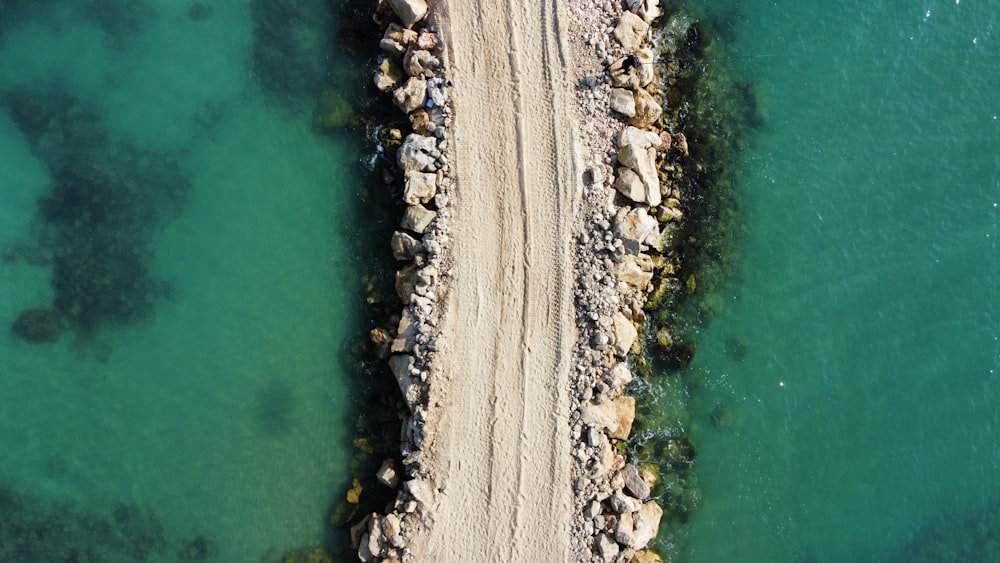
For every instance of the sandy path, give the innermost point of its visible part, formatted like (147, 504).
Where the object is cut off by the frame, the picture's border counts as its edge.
(501, 436)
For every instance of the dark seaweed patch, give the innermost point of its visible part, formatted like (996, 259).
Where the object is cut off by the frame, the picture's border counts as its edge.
(32, 529)
(95, 225)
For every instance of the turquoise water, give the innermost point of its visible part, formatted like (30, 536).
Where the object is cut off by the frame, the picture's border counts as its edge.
(867, 408)
(206, 395)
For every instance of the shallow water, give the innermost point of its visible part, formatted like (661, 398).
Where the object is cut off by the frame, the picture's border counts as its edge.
(865, 412)
(221, 408)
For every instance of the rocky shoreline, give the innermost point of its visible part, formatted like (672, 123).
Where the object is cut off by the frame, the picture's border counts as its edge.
(619, 247)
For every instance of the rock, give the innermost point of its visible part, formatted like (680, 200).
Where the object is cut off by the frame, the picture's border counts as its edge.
(419, 62)
(417, 218)
(409, 11)
(646, 556)
(418, 152)
(625, 334)
(401, 365)
(622, 503)
(391, 529)
(381, 339)
(634, 271)
(359, 530)
(607, 547)
(648, 10)
(630, 185)
(427, 40)
(624, 530)
(387, 475)
(404, 246)
(388, 74)
(420, 187)
(411, 95)
(625, 416)
(406, 281)
(419, 121)
(620, 376)
(593, 437)
(646, 523)
(406, 333)
(437, 92)
(633, 71)
(630, 31)
(634, 485)
(364, 550)
(637, 151)
(622, 101)
(647, 110)
(636, 229)
(592, 510)
(421, 490)
(38, 326)
(399, 35)
(599, 341)
(603, 416)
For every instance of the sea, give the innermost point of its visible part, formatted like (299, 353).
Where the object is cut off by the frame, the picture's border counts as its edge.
(183, 237)
(856, 350)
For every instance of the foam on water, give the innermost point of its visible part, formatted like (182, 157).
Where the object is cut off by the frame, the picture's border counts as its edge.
(867, 405)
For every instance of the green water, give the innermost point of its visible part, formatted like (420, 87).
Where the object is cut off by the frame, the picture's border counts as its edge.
(867, 408)
(221, 409)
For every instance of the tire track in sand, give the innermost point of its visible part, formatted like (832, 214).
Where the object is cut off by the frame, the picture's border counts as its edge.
(500, 437)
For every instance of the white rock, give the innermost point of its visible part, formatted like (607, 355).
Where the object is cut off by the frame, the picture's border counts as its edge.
(419, 187)
(647, 110)
(637, 228)
(417, 218)
(646, 523)
(625, 335)
(401, 366)
(387, 475)
(418, 153)
(421, 490)
(406, 333)
(622, 101)
(404, 246)
(411, 95)
(409, 11)
(648, 10)
(418, 62)
(630, 185)
(630, 31)
(387, 74)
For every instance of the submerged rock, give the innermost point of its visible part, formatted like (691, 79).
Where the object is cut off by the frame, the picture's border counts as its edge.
(38, 325)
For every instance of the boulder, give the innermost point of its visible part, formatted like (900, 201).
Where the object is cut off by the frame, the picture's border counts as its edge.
(401, 365)
(417, 218)
(607, 547)
(625, 415)
(406, 333)
(622, 503)
(646, 556)
(625, 334)
(381, 339)
(646, 523)
(634, 485)
(630, 185)
(387, 474)
(38, 325)
(421, 490)
(404, 246)
(388, 74)
(648, 10)
(437, 92)
(400, 38)
(637, 151)
(409, 11)
(418, 152)
(391, 530)
(622, 101)
(411, 95)
(633, 71)
(427, 40)
(603, 416)
(624, 530)
(619, 376)
(630, 31)
(633, 271)
(406, 281)
(419, 62)
(419, 187)
(647, 110)
(636, 228)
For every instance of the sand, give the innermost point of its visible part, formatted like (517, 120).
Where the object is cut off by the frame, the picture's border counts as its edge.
(499, 429)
